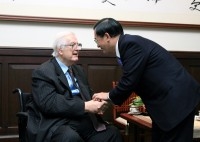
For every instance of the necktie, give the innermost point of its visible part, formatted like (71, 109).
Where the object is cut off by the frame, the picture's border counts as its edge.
(72, 77)
(119, 61)
(73, 85)
(97, 125)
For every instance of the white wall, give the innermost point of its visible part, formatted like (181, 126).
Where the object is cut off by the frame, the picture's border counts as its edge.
(41, 35)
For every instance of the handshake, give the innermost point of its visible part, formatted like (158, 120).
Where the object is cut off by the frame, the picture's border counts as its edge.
(98, 104)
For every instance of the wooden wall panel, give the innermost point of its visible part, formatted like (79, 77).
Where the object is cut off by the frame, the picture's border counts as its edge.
(15, 71)
(191, 61)
(195, 71)
(102, 75)
(19, 76)
(16, 67)
(1, 109)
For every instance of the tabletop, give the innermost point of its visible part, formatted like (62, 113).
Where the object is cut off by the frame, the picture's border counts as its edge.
(146, 122)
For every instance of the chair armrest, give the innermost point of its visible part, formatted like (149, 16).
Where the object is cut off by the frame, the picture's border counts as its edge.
(22, 114)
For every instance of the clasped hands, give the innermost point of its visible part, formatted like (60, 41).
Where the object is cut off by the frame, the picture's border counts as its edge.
(98, 104)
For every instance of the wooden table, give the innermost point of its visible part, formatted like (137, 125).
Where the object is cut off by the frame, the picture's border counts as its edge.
(140, 128)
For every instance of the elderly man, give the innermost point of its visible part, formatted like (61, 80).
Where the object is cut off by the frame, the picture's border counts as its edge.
(62, 109)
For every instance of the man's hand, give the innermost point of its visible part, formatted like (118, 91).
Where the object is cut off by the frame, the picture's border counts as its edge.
(98, 107)
(101, 96)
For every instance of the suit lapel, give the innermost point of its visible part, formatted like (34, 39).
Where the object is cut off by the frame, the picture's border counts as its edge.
(63, 79)
(60, 74)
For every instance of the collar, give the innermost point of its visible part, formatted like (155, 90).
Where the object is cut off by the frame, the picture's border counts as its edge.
(62, 65)
(117, 49)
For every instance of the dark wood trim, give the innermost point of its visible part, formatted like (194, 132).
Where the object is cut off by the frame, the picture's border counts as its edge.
(16, 65)
(34, 51)
(92, 22)
(186, 54)
(47, 52)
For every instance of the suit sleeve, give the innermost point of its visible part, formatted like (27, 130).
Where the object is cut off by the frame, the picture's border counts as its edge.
(133, 58)
(50, 96)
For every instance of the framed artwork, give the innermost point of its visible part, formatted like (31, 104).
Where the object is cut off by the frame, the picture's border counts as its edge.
(158, 13)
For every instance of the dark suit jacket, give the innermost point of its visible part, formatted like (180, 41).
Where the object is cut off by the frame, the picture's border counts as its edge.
(53, 104)
(168, 91)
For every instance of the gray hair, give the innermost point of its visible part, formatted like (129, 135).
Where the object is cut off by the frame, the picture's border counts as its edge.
(61, 39)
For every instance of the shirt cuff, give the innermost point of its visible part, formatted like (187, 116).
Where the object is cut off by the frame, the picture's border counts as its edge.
(109, 97)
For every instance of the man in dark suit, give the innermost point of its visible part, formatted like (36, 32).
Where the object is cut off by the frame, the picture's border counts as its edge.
(169, 92)
(62, 109)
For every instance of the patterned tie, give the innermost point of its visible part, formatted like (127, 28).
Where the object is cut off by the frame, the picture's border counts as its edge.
(73, 78)
(97, 125)
(72, 84)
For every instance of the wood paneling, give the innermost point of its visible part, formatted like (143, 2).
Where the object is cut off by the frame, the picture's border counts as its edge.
(16, 67)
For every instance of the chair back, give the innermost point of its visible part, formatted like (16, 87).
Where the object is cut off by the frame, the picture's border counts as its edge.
(22, 115)
(122, 108)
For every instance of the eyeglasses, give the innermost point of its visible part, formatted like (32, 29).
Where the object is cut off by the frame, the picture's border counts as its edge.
(95, 40)
(74, 45)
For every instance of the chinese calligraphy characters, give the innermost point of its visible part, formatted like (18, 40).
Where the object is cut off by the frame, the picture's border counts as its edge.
(195, 5)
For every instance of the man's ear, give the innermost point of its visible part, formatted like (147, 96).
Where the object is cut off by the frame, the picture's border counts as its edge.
(60, 51)
(107, 35)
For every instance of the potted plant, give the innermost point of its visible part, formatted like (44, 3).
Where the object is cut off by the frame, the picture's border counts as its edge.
(136, 105)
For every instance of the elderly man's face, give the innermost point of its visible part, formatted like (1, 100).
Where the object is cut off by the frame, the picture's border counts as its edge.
(69, 54)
